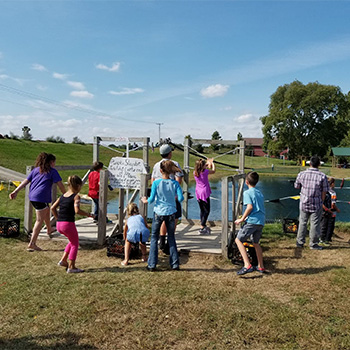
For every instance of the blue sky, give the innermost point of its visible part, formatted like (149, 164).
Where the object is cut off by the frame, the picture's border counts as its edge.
(117, 68)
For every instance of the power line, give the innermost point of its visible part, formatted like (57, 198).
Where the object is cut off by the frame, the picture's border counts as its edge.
(32, 96)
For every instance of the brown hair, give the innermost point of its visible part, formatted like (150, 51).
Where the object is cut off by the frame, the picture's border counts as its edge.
(252, 178)
(199, 166)
(97, 166)
(132, 209)
(331, 180)
(43, 161)
(168, 167)
(75, 183)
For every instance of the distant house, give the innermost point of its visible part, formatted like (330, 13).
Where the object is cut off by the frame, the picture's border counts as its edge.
(256, 143)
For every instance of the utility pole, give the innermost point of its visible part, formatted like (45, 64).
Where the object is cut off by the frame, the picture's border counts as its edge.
(159, 124)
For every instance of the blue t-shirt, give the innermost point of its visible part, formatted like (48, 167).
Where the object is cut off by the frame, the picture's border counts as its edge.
(163, 191)
(256, 199)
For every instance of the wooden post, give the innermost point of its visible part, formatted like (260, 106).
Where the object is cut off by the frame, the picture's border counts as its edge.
(28, 209)
(121, 209)
(53, 200)
(143, 193)
(95, 149)
(186, 171)
(234, 210)
(145, 150)
(102, 210)
(224, 215)
(241, 155)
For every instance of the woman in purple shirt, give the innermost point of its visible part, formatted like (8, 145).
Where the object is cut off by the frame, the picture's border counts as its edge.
(41, 179)
(202, 169)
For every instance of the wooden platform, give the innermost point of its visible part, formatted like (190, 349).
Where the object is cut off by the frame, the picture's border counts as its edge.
(187, 237)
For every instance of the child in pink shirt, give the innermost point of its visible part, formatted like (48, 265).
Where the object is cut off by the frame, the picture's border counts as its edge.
(202, 169)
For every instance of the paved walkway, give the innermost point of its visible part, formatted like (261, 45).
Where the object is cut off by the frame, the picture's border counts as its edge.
(187, 237)
(10, 175)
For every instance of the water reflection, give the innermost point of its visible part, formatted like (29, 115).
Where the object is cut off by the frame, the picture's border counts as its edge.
(272, 188)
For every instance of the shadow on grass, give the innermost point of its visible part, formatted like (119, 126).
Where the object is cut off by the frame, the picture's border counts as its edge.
(46, 342)
(307, 270)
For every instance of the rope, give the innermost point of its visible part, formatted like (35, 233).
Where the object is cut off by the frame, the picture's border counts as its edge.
(194, 153)
(224, 154)
(112, 149)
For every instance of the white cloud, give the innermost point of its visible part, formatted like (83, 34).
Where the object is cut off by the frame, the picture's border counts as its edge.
(39, 67)
(127, 91)
(17, 80)
(60, 76)
(227, 108)
(61, 124)
(76, 85)
(41, 87)
(114, 68)
(216, 90)
(82, 94)
(245, 117)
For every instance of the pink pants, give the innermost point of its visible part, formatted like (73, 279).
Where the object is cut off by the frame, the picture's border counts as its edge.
(70, 231)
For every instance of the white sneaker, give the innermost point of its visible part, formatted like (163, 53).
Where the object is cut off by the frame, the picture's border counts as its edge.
(76, 270)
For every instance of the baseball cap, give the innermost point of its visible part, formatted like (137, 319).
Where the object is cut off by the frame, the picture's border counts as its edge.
(165, 149)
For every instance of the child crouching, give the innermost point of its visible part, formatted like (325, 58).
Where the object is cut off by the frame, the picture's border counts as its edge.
(135, 231)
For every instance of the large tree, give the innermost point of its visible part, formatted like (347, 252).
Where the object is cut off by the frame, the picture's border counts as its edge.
(308, 119)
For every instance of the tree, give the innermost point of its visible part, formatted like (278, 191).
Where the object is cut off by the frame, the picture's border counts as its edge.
(77, 140)
(307, 119)
(26, 133)
(215, 136)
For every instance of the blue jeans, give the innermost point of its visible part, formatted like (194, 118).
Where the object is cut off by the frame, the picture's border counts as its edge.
(315, 227)
(153, 251)
(95, 200)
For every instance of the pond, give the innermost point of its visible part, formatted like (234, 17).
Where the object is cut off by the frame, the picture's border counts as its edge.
(272, 188)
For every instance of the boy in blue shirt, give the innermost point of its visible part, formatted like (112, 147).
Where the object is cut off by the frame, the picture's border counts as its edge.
(254, 215)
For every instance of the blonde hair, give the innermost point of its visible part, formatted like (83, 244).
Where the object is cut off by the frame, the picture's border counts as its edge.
(168, 167)
(132, 209)
(75, 183)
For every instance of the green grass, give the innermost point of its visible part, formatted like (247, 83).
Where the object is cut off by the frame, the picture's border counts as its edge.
(302, 304)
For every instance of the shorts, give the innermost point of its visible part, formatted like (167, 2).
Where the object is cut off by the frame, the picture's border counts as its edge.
(134, 237)
(251, 231)
(178, 213)
(39, 205)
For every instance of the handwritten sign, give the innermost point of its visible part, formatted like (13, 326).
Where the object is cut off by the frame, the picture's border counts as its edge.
(126, 172)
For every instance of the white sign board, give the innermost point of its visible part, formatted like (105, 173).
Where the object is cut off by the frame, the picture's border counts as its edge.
(126, 172)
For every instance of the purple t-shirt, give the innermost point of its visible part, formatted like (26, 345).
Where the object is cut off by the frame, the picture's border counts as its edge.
(202, 186)
(41, 184)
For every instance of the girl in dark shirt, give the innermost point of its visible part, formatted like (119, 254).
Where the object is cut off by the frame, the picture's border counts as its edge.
(69, 205)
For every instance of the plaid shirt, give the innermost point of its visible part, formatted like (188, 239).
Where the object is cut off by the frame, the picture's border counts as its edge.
(312, 183)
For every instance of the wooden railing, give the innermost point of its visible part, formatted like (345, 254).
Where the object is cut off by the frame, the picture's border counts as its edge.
(237, 183)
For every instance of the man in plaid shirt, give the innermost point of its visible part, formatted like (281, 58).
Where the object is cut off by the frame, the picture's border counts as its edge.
(314, 186)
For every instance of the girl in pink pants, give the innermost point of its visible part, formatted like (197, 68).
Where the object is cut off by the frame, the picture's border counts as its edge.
(69, 205)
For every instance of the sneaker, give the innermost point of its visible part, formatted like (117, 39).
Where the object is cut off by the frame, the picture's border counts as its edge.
(316, 247)
(151, 269)
(300, 245)
(202, 232)
(61, 263)
(260, 269)
(245, 270)
(108, 222)
(207, 230)
(76, 270)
